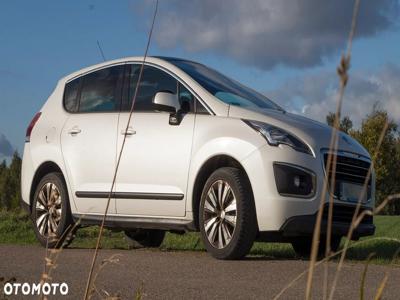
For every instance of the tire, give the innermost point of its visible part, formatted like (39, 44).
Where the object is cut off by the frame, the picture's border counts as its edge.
(303, 245)
(227, 231)
(51, 213)
(145, 238)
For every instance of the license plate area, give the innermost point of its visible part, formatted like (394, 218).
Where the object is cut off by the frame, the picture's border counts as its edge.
(351, 192)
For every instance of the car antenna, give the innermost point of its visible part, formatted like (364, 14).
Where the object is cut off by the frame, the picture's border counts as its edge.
(101, 50)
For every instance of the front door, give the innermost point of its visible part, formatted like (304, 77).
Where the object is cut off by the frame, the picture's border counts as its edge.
(152, 177)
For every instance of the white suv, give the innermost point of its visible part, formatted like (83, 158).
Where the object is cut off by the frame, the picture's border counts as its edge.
(202, 153)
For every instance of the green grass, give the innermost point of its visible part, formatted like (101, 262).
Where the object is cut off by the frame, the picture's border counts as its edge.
(16, 228)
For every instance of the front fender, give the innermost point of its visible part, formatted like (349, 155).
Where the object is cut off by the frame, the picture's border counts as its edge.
(233, 138)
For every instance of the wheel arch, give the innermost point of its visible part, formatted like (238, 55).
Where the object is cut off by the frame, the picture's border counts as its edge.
(208, 167)
(44, 169)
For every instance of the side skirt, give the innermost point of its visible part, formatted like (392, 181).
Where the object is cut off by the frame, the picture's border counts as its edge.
(123, 222)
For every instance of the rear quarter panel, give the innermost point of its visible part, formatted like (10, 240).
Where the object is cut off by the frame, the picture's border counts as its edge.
(44, 145)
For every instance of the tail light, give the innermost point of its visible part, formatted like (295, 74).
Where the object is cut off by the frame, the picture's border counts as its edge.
(30, 127)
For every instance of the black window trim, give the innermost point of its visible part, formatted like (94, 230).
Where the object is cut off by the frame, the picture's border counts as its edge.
(78, 94)
(126, 87)
(178, 91)
(126, 63)
(176, 77)
(81, 80)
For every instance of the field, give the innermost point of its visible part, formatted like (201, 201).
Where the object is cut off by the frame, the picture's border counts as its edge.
(16, 228)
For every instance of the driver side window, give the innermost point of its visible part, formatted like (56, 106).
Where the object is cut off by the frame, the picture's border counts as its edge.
(186, 99)
(153, 81)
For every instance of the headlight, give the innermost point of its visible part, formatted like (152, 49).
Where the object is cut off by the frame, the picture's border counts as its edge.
(276, 136)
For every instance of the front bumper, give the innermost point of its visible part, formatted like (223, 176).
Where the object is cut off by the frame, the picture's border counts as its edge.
(341, 219)
(276, 211)
(304, 225)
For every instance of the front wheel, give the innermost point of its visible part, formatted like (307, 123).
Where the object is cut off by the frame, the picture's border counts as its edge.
(51, 213)
(227, 215)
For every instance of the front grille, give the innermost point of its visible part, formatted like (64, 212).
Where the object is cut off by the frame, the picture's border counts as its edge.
(350, 170)
(344, 214)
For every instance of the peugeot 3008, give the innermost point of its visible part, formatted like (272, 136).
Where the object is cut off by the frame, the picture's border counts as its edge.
(202, 153)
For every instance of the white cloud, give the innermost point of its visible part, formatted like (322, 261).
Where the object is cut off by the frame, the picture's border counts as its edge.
(266, 33)
(315, 95)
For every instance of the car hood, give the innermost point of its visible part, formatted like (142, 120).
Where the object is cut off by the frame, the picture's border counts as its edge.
(316, 134)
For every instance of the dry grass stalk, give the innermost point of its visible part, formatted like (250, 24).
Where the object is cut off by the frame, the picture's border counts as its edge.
(331, 165)
(89, 280)
(139, 292)
(357, 218)
(113, 259)
(382, 286)
(364, 275)
(332, 255)
(52, 255)
(342, 72)
(317, 228)
(354, 222)
(331, 161)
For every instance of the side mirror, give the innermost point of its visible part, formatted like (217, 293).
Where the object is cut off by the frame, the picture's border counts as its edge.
(167, 101)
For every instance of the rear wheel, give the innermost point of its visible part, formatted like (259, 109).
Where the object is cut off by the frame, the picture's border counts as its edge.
(303, 245)
(51, 213)
(145, 238)
(227, 215)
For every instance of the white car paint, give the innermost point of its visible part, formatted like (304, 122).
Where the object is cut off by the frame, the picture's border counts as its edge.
(156, 160)
(160, 158)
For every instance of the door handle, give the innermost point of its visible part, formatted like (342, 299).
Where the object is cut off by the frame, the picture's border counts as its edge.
(128, 131)
(74, 130)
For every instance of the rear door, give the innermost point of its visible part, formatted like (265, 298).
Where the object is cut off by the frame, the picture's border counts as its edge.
(152, 176)
(89, 136)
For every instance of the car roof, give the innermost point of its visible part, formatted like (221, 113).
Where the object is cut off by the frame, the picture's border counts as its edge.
(139, 59)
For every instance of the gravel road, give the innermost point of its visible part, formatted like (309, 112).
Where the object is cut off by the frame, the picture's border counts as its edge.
(188, 275)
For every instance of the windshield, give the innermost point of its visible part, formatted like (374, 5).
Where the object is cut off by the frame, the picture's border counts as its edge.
(224, 88)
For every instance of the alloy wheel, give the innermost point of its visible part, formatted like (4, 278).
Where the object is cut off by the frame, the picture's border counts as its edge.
(220, 212)
(48, 209)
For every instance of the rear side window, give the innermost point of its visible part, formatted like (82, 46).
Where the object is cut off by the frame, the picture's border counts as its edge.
(71, 95)
(101, 90)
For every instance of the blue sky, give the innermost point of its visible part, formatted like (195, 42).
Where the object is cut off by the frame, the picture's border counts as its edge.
(41, 41)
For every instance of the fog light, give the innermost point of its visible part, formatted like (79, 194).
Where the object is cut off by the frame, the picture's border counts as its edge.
(297, 181)
(294, 181)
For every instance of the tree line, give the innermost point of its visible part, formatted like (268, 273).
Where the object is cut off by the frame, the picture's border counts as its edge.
(10, 183)
(386, 161)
